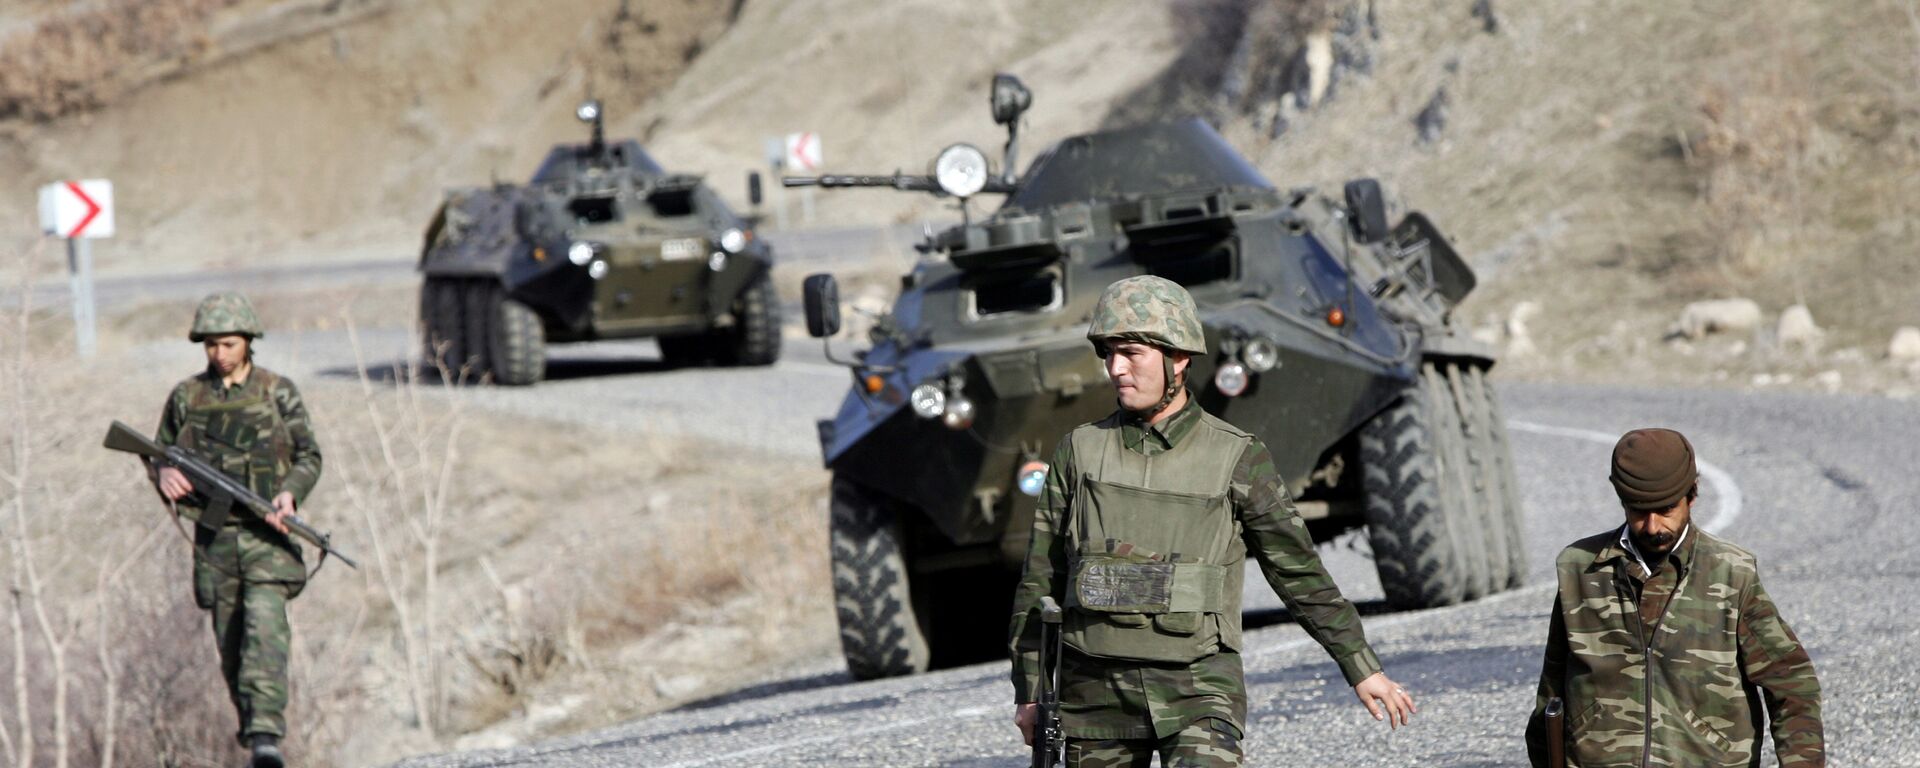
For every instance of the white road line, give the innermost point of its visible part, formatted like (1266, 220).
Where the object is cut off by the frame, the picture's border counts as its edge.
(1729, 506)
(1728, 501)
(968, 712)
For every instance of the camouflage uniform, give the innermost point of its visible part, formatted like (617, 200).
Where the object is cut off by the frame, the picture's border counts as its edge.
(1671, 664)
(244, 572)
(1182, 694)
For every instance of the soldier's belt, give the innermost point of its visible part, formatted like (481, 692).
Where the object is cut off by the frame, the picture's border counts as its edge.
(1114, 585)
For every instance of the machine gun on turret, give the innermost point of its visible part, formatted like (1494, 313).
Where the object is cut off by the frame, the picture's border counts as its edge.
(961, 170)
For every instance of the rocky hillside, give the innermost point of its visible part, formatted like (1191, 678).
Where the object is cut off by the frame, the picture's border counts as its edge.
(1610, 161)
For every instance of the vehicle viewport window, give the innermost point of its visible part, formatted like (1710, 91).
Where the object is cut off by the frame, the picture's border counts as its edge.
(669, 204)
(1200, 265)
(593, 210)
(1027, 293)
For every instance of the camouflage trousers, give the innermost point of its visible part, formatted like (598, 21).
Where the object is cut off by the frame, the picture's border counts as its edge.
(244, 575)
(1207, 743)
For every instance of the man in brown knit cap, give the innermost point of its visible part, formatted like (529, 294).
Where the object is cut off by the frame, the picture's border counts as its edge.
(1663, 644)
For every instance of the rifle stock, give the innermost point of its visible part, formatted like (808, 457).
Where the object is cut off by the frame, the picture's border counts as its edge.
(1556, 714)
(220, 490)
(1048, 744)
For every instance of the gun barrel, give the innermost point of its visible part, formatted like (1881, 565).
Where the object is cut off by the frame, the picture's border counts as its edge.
(898, 181)
(1556, 733)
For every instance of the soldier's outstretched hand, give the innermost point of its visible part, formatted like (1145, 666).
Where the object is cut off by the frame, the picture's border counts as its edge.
(1386, 700)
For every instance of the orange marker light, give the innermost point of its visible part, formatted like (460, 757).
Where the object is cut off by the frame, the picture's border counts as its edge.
(539, 254)
(874, 383)
(1336, 317)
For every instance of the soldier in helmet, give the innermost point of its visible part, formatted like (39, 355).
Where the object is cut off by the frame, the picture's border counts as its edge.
(1142, 533)
(251, 424)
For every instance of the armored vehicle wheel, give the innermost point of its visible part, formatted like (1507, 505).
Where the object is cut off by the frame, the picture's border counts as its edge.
(879, 633)
(442, 324)
(1410, 516)
(1503, 490)
(473, 330)
(754, 338)
(1467, 518)
(518, 348)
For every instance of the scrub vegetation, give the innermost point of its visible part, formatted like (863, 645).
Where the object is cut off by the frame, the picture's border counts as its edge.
(494, 603)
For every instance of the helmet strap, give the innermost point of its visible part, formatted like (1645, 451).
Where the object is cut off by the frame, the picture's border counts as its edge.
(1172, 389)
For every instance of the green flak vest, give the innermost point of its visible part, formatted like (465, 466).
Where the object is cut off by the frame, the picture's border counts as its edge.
(245, 438)
(1156, 560)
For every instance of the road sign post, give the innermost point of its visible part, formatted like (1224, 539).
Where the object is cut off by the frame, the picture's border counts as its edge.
(803, 156)
(79, 211)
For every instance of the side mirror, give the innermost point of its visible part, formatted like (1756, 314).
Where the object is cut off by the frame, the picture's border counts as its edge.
(1368, 207)
(1010, 98)
(821, 295)
(753, 188)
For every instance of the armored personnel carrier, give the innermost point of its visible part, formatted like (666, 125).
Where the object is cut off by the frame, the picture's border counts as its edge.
(602, 243)
(1331, 336)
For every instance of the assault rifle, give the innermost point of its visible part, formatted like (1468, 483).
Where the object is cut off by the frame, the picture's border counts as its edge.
(1556, 733)
(1048, 744)
(220, 491)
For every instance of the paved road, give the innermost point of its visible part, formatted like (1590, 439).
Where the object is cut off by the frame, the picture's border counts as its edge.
(1822, 489)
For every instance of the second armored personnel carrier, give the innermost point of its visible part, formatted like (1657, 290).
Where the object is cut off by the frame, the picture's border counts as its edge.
(1331, 334)
(602, 243)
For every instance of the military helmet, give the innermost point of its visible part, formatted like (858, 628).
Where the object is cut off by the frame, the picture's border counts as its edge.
(1148, 309)
(223, 313)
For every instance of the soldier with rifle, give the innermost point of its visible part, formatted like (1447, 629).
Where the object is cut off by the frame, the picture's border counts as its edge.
(1142, 533)
(249, 424)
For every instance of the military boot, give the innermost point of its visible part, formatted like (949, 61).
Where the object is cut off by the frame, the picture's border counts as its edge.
(266, 751)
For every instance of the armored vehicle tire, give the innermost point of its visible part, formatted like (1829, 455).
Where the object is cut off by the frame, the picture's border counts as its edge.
(755, 336)
(1467, 516)
(440, 320)
(879, 632)
(1503, 489)
(518, 347)
(1411, 518)
(473, 330)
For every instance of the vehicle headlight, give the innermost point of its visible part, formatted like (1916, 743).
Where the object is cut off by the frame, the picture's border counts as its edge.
(598, 270)
(1260, 355)
(928, 400)
(961, 170)
(580, 253)
(1231, 379)
(1032, 478)
(717, 261)
(959, 413)
(733, 241)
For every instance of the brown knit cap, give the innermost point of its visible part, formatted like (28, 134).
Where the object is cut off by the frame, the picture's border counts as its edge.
(1653, 468)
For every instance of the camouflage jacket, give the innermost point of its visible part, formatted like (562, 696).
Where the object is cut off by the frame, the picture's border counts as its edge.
(256, 431)
(1693, 695)
(1106, 699)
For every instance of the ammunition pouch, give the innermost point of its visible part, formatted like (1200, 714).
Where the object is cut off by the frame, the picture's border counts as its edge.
(1116, 585)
